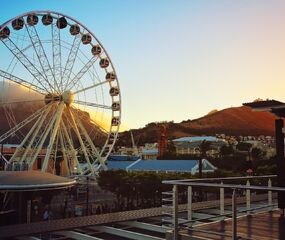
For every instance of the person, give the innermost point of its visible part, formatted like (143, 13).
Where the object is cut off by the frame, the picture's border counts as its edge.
(46, 215)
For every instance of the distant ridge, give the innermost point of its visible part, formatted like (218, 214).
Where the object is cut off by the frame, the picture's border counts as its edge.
(234, 121)
(230, 121)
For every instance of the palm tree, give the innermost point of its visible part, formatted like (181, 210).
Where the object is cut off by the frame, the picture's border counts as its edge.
(204, 147)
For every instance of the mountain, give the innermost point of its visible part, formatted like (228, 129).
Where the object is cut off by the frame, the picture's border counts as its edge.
(234, 121)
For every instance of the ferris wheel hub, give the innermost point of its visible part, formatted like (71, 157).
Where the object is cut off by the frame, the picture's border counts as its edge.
(67, 97)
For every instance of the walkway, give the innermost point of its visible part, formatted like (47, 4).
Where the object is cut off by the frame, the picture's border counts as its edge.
(78, 222)
(261, 226)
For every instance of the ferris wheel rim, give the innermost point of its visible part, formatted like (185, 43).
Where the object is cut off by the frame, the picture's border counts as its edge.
(112, 130)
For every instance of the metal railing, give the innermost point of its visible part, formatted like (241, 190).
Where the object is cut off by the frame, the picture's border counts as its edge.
(221, 184)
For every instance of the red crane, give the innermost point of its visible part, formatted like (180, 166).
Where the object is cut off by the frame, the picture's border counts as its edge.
(162, 142)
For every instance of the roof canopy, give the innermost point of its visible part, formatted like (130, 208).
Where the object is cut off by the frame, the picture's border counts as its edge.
(161, 165)
(276, 107)
(32, 180)
(196, 139)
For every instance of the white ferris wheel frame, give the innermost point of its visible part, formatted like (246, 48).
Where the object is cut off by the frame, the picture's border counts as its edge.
(56, 128)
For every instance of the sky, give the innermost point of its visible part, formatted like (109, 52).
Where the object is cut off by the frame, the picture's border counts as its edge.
(180, 59)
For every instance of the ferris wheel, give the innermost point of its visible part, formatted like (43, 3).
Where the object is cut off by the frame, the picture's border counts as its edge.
(60, 94)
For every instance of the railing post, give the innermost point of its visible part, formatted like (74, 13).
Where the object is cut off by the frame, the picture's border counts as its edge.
(248, 197)
(175, 212)
(222, 200)
(234, 215)
(269, 192)
(189, 205)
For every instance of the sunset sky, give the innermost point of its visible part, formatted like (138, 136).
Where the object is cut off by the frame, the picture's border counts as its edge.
(180, 59)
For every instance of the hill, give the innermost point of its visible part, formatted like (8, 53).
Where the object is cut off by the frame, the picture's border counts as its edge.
(234, 121)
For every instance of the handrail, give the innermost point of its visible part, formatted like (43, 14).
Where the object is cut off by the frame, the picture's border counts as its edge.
(172, 182)
(232, 186)
(220, 183)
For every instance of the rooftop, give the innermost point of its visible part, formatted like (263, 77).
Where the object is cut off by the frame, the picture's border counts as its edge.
(196, 139)
(160, 165)
(32, 180)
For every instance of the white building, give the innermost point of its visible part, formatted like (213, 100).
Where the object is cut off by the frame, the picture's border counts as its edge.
(191, 145)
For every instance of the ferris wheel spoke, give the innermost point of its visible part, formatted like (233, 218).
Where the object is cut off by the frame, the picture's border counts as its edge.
(83, 147)
(81, 73)
(90, 142)
(53, 134)
(35, 133)
(42, 138)
(24, 60)
(84, 131)
(92, 104)
(22, 82)
(71, 146)
(20, 101)
(63, 149)
(21, 124)
(40, 52)
(56, 53)
(90, 87)
(71, 60)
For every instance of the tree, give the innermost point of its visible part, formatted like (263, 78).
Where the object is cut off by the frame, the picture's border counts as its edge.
(113, 181)
(204, 147)
(170, 151)
(257, 153)
(244, 146)
(226, 150)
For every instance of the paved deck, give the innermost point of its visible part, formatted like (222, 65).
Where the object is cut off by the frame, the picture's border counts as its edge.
(79, 222)
(261, 226)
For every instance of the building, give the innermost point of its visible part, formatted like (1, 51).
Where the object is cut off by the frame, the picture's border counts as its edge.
(150, 154)
(191, 145)
(163, 166)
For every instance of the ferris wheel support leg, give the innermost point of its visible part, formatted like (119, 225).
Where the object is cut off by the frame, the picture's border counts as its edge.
(81, 142)
(64, 152)
(90, 142)
(53, 135)
(21, 124)
(18, 149)
(39, 147)
(68, 138)
(35, 133)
